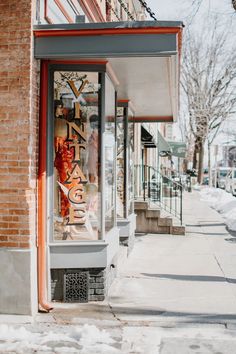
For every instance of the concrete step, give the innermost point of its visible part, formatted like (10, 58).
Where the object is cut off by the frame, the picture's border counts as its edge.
(177, 230)
(140, 205)
(156, 221)
(166, 221)
(153, 213)
(150, 225)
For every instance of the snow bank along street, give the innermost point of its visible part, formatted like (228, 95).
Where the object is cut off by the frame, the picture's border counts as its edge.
(223, 202)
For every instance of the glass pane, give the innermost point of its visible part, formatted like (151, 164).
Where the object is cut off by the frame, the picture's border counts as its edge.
(110, 154)
(120, 131)
(130, 199)
(76, 156)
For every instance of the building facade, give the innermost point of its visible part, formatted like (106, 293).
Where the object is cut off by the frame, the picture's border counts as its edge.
(71, 108)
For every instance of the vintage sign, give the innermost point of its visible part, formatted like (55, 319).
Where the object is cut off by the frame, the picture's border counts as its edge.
(70, 139)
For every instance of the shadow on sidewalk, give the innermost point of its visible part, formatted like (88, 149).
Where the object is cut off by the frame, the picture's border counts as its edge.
(206, 225)
(191, 277)
(187, 317)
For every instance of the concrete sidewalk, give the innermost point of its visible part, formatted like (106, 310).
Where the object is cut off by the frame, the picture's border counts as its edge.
(168, 279)
(173, 295)
(188, 278)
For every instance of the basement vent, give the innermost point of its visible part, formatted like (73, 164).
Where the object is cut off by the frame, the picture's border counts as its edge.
(76, 285)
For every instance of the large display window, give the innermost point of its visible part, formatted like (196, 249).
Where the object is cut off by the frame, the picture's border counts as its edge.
(81, 155)
(76, 156)
(125, 160)
(130, 163)
(120, 161)
(110, 154)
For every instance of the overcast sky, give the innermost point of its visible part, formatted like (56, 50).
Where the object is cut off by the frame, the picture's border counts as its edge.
(182, 10)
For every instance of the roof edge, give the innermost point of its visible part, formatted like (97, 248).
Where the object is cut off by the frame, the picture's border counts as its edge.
(110, 25)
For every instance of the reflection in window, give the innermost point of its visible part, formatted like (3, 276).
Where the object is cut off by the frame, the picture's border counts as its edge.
(130, 146)
(110, 157)
(120, 201)
(76, 156)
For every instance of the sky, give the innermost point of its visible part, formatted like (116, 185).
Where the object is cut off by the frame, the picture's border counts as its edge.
(181, 9)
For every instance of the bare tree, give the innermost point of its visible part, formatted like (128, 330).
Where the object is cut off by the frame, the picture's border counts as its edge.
(208, 77)
(187, 137)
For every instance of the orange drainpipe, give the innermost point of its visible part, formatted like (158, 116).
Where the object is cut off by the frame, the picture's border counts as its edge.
(42, 269)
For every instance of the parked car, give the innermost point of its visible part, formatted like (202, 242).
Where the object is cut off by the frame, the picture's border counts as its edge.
(230, 182)
(205, 180)
(219, 176)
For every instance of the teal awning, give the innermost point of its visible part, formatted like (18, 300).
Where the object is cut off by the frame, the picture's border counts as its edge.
(163, 145)
(178, 148)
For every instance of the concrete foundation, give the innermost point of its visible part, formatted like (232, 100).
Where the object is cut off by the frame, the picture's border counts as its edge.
(18, 281)
(127, 231)
(98, 283)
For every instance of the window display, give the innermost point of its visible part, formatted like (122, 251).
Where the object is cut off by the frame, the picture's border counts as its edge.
(120, 162)
(130, 147)
(110, 154)
(76, 156)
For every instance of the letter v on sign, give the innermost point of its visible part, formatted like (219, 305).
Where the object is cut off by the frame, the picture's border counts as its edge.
(77, 92)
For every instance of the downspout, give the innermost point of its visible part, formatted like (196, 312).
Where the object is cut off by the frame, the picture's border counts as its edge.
(42, 269)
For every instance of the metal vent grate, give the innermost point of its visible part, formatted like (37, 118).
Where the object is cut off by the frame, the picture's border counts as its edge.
(76, 285)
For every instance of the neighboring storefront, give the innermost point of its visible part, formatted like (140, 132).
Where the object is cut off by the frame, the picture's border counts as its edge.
(126, 218)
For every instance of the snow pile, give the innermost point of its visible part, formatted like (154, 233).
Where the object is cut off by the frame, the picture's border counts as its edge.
(223, 202)
(85, 339)
(211, 195)
(196, 187)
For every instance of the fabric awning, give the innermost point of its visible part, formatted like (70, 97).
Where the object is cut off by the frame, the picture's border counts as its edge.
(163, 146)
(178, 148)
(142, 58)
(147, 139)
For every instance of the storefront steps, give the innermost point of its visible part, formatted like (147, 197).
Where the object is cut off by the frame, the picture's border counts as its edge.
(151, 220)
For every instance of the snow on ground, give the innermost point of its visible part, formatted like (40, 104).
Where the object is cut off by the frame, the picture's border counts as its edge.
(223, 202)
(89, 339)
(76, 339)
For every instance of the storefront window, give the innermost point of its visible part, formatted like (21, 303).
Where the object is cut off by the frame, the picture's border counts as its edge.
(130, 147)
(110, 155)
(120, 202)
(76, 149)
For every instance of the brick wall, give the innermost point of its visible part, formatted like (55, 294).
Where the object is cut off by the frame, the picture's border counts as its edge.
(19, 125)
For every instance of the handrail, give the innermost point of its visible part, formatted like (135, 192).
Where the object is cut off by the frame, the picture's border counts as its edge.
(159, 189)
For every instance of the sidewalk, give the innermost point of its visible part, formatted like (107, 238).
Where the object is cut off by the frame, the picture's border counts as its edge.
(173, 295)
(188, 278)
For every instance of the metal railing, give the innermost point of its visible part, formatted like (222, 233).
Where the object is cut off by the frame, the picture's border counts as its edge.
(160, 190)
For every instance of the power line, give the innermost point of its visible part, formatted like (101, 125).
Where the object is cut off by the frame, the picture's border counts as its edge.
(123, 5)
(112, 9)
(73, 7)
(148, 9)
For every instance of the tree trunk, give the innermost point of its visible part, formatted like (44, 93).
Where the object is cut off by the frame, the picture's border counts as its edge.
(185, 165)
(200, 162)
(209, 165)
(195, 156)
